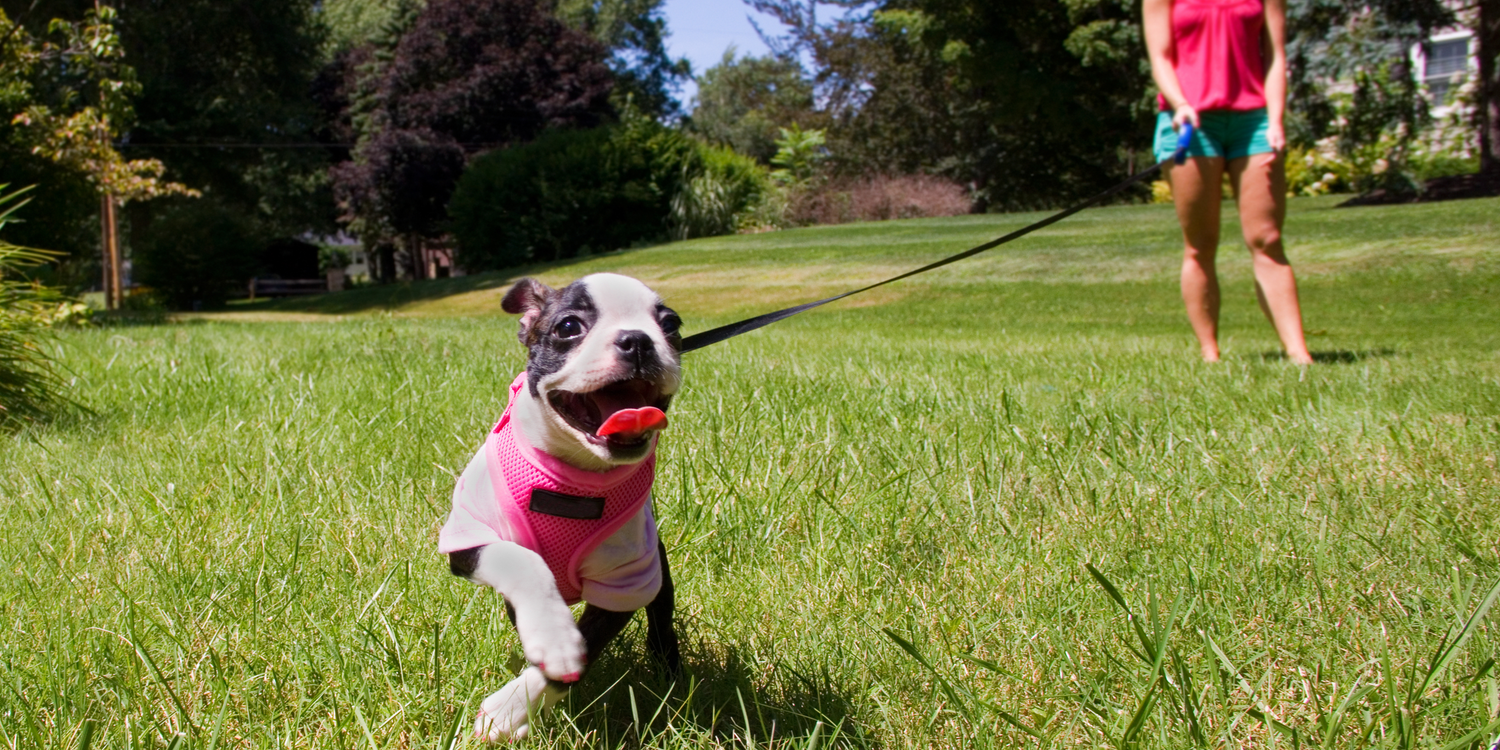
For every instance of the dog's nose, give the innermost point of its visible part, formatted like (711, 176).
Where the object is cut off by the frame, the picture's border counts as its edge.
(634, 346)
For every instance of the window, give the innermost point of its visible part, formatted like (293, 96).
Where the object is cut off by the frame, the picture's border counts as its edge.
(1447, 62)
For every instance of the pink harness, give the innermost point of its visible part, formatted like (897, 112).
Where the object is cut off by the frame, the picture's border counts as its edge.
(559, 511)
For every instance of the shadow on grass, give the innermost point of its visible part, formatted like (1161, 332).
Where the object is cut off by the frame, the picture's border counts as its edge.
(630, 701)
(401, 293)
(1336, 357)
(382, 296)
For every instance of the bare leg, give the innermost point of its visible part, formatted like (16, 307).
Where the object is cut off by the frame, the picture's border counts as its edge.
(1260, 184)
(1197, 189)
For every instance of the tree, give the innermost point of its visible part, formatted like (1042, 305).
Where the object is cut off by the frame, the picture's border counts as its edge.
(1487, 34)
(635, 32)
(64, 207)
(223, 104)
(1030, 102)
(234, 72)
(467, 76)
(742, 102)
(353, 23)
(77, 97)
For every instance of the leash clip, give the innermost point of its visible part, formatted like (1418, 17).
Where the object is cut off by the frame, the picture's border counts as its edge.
(1184, 139)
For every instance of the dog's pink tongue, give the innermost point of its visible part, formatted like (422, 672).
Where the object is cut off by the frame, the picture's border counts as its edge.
(633, 423)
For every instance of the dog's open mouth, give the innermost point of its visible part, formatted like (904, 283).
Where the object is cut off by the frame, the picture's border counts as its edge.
(623, 409)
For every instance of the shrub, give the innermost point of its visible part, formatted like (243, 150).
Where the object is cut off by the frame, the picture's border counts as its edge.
(196, 253)
(720, 193)
(569, 192)
(877, 198)
(1161, 191)
(1312, 172)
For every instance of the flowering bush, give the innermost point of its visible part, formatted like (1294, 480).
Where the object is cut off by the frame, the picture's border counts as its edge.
(1161, 191)
(1310, 171)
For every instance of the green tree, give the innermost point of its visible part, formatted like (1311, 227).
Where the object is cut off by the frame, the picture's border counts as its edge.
(1030, 102)
(223, 103)
(742, 102)
(635, 31)
(462, 77)
(235, 72)
(67, 97)
(351, 23)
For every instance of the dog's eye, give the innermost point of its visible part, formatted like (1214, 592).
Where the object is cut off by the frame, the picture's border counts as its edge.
(670, 324)
(568, 328)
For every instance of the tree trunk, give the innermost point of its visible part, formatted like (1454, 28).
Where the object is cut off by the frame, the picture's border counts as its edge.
(110, 243)
(415, 255)
(1488, 38)
(387, 256)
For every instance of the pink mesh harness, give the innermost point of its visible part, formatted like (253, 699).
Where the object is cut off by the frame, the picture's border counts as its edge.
(562, 541)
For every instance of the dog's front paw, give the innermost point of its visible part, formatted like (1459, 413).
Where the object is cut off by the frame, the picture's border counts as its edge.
(550, 640)
(506, 715)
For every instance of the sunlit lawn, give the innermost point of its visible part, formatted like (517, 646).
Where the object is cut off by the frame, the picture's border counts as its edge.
(881, 515)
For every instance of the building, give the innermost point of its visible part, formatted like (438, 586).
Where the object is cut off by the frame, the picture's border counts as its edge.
(1444, 64)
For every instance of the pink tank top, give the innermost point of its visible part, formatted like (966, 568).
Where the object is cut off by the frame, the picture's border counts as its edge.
(556, 510)
(1216, 51)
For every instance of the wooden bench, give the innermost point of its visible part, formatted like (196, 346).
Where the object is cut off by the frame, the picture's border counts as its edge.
(286, 287)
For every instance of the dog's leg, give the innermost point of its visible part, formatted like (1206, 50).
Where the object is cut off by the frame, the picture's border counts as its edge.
(600, 626)
(549, 638)
(506, 715)
(661, 635)
(544, 622)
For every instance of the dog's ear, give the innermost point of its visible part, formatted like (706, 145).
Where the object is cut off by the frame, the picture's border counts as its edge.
(527, 298)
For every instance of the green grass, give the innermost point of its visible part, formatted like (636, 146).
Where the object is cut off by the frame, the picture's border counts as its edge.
(891, 521)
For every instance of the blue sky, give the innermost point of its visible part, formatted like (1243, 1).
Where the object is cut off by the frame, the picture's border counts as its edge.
(702, 29)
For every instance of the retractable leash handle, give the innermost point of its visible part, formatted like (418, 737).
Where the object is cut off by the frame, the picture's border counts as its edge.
(1184, 139)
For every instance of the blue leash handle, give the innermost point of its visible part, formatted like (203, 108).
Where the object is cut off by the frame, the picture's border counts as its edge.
(1184, 139)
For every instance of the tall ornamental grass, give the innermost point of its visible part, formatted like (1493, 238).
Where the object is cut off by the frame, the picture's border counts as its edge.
(30, 387)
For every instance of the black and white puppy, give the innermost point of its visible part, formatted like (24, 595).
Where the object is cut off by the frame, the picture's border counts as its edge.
(555, 508)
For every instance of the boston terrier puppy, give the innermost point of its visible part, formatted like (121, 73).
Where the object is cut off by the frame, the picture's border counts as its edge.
(555, 508)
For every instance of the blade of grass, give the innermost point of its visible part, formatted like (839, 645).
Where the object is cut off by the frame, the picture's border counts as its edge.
(1447, 653)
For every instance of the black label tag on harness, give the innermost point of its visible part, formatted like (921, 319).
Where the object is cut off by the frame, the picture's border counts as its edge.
(566, 506)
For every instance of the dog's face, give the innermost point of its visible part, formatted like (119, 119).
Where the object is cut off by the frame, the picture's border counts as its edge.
(600, 345)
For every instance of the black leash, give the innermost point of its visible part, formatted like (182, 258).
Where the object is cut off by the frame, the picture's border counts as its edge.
(715, 335)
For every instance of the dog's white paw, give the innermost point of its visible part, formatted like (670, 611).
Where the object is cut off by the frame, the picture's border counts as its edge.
(551, 641)
(506, 715)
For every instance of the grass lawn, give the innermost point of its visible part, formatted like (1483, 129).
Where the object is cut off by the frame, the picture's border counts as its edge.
(891, 521)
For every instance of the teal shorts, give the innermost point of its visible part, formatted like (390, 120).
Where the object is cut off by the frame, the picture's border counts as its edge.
(1224, 133)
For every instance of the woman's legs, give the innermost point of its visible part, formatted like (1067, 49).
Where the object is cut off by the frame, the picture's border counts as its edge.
(1197, 189)
(1259, 184)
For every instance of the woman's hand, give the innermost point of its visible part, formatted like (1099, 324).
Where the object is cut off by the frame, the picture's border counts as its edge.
(1276, 137)
(1185, 113)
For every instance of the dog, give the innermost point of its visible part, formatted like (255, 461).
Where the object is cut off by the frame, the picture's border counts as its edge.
(555, 508)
